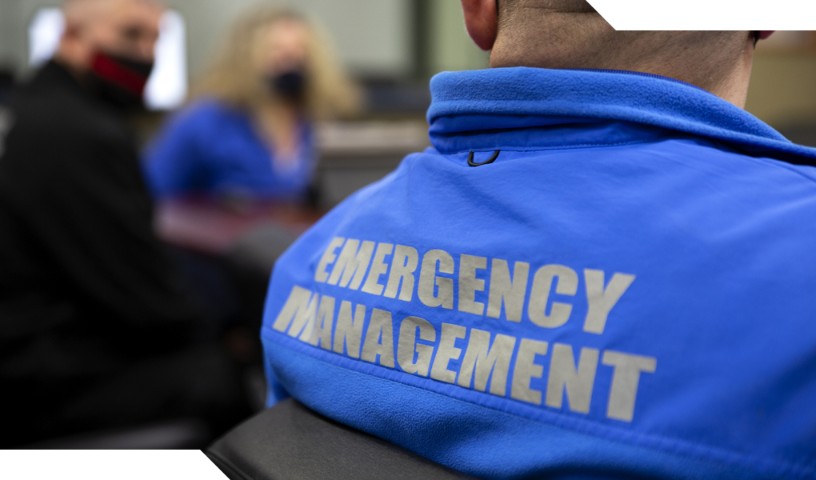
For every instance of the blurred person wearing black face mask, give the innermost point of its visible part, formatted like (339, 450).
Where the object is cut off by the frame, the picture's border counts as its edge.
(96, 330)
(248, 131)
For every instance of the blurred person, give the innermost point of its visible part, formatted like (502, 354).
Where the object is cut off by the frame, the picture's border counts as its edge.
(602, 268)
(249, 130)
(96, 330)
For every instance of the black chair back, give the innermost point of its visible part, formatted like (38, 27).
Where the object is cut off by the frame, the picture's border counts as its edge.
(290, 441)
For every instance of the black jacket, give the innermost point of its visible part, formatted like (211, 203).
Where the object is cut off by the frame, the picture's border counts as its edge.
(85, 286)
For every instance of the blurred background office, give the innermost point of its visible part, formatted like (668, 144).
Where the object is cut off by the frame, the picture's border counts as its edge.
(391, 47)
(388, 49)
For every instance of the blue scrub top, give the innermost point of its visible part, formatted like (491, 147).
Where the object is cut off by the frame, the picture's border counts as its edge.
(214, 149)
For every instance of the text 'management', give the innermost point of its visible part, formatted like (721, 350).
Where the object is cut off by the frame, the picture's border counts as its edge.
(530, 370)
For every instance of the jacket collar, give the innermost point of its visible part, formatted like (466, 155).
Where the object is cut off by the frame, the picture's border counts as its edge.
(54, 72)
(544, 108)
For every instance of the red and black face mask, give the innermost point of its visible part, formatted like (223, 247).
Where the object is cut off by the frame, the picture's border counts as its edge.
(120, 80)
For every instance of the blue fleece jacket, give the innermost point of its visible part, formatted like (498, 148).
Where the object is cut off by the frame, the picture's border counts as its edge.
(589, 274)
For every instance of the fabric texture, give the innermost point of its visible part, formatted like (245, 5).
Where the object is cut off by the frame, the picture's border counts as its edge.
(213, 149)
(623, 292)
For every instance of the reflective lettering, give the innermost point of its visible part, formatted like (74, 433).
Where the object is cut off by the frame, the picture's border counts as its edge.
(436, 291)
(603, 300)
(486, 361)
(351, 265)
(469, 283)
(329, 256)
(625, 379)
(415, 357)
(378, 268)
(294, 307)
(379, 339)
(349, 329)
(303, 325)
(446, 352)
(566, 283)
(300, 323)
(401, 278)
(507, 290)
(321, 335)
(565, 377)
(526, 369)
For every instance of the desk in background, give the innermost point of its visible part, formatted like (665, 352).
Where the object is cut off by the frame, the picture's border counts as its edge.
(217, 227)
(226, 251)
(356, 154)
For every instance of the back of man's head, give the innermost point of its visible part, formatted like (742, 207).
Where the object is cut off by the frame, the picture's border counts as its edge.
(571, 34)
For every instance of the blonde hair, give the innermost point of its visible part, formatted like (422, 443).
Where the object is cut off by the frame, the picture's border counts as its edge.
(233, 78)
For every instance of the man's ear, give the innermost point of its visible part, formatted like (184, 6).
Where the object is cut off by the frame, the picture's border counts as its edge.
(482, 21)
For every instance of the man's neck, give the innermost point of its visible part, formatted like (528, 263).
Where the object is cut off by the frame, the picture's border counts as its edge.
(724, 72)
